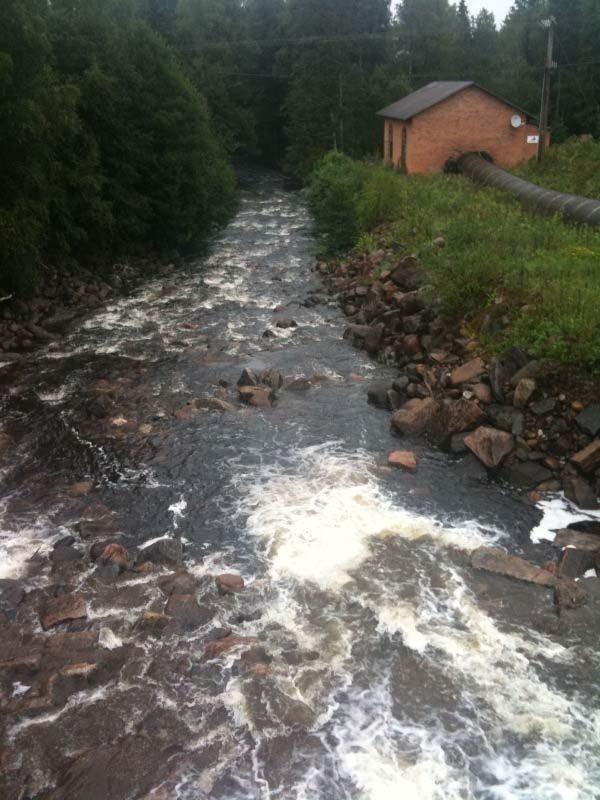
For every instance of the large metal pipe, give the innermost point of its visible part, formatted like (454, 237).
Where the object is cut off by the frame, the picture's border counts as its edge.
(570, 206)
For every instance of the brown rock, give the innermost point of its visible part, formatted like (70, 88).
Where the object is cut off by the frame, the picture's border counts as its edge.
(6, 442)
(490, 446)
(115, 554)
(229, 583)
(492, 559)
(152, 623)
(415, 415)
(568, 594)
(580, 492)
(482, 392)
(220, 646)
(588, 459)
(257, 396)
(467, 373)
(80, 489)
(462, 415)
(64, 608)
(405, 459)
(579, 540)
(524, 391)
(410, 344)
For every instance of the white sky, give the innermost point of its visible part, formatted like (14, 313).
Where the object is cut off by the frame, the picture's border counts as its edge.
(499, 8)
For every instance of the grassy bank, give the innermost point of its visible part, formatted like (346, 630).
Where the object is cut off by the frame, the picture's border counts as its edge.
(572, 167)
(535, 278)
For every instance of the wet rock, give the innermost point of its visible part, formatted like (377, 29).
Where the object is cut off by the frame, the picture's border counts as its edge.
(490, 446)
(213, 404)
(114, 555)
(580, 492)
(7, 443)
(299, 385)
(229, 583)
(152, 623)
(286, 323)
(178, 583)
(12, 593)
(580, 540)
(404, 459)
(223, 646)
(80, 488)
(101, 407)
(64, 608)
(586, 526)
(524, 391)
(117, 771)
(185, 612)
(526, 475)
(589, 419)
(374, 339)
(247, 378)
(569, 595)
(272, 378)
(415, 416)
(492, 559)
(457, 444)
(588, 459)
(269, 334)
(400, 384)
(63, 552)
(575, 562)
(467, 373)
(164, 551)
(257, 396)
(377, 395)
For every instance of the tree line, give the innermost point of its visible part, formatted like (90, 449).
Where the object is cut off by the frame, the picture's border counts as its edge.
(118, 118)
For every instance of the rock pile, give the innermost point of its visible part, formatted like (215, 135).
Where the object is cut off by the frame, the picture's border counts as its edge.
(506, 411)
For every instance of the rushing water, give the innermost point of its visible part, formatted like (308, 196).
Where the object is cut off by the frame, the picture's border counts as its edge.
(397, 672)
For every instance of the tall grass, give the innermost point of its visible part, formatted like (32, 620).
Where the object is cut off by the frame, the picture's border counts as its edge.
(536, 276)
(572, 167)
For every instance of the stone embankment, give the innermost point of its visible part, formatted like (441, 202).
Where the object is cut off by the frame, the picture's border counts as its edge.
(59, 298)
(516, 417)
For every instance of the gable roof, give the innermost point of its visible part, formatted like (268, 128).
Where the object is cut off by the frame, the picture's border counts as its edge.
(432, 94)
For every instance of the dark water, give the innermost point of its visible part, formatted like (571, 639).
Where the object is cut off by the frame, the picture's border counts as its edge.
(395, 671)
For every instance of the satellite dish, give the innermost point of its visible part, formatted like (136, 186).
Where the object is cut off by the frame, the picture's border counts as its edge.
(516, 121)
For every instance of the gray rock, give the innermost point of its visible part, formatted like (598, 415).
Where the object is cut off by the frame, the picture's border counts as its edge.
(543, 407)
(525, 474)
(506, 418)
(247, 378)
(377, 395)
(589, 419)
(164, 551)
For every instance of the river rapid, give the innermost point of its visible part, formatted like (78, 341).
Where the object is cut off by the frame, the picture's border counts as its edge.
(396, 671)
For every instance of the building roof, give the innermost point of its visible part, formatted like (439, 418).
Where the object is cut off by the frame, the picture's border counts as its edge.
(432, 94)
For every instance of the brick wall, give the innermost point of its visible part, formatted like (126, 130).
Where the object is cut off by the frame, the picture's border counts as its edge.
(471, 120)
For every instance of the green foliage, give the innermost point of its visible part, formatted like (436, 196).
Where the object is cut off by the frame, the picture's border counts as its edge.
(572, 167)
(106, 145)
(333, 197)
(499, 263)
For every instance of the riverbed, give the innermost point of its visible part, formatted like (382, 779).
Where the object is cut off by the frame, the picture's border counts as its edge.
(394, 670)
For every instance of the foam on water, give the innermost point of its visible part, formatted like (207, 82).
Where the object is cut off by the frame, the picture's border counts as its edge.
(558, 512)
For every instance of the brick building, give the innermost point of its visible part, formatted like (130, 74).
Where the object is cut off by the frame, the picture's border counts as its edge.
(446, 119)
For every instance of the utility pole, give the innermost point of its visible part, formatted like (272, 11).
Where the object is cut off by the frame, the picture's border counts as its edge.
(548, 66)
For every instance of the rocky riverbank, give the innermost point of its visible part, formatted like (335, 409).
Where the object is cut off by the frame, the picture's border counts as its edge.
(515, 418)
(60, 298)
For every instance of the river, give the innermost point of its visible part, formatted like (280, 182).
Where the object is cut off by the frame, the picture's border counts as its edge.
(396, 670)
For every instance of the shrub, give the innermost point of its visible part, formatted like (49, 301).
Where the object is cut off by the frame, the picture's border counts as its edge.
(333, 194)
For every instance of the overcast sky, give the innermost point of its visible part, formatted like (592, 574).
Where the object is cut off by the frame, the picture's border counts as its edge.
(498, 7)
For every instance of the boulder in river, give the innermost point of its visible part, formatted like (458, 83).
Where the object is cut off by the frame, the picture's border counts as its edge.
(229, 583)
(415, 415)
(489, 445)
(493, 559)
(404, 459)
(185, 612)
(163, 551)
(64, 608)
(257, 396)
(247, 378)
(220, 647)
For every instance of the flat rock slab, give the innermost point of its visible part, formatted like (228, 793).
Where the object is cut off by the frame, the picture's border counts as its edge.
(467, 373)
(492, 559)
(588, 459)
(64, 608)
(404, 459)
(577, 539)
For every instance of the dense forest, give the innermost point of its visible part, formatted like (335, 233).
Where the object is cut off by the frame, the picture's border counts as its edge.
(119, 118)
